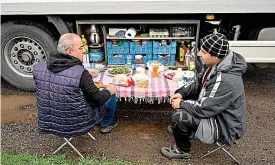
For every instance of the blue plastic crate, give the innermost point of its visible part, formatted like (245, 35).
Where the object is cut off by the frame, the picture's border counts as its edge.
(130, 58)
(146, 49)
(124, 49)
(117, 59)
(167, 49)
(147, 58)
(155, 57)
(167, 61)
(172, 59)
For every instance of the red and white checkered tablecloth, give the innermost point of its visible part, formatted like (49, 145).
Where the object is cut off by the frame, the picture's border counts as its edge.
(159, 89)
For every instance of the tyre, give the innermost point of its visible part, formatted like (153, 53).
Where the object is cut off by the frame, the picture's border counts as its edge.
(23, 44)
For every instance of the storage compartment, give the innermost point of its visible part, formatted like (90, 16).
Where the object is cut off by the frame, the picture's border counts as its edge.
(136, 42)
(92, 36)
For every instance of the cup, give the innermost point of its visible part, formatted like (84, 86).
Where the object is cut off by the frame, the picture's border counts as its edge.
(155, 68)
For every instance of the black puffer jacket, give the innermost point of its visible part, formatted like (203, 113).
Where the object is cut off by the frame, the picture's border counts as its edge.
(69, 104)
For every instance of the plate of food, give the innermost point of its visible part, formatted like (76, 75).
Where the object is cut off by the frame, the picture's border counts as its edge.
(184, 75)
(100, 67)
(119, 70)
(93, 72)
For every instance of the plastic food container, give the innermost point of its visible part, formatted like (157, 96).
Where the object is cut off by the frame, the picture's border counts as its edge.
(141, 80)
(142, 83)
(188, 76)
(140, 70)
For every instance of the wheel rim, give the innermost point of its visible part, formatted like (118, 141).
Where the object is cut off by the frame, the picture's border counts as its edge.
(22, 53)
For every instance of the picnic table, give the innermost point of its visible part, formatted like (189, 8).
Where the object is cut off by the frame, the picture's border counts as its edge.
(159, 88)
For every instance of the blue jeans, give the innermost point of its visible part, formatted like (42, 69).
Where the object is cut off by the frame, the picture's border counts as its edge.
(110, 111)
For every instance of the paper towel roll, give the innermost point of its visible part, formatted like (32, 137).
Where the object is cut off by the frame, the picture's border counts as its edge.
(130, 33)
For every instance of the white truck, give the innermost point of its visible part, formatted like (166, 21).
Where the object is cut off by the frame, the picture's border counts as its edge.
(30, 29)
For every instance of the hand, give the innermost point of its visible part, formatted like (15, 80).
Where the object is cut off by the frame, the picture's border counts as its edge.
(100, 85)
(111, 88)
(176, 103)
(175, 96)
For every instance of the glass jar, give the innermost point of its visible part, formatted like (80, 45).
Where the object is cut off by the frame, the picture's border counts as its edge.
(163, 42)
(155, 68)
(144, 42)
(137, 42)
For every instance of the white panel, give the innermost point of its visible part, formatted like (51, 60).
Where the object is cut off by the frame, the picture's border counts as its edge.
(13, 7)
(255, 51)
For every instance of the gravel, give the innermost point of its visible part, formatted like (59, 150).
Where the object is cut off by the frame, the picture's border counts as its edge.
(142, 131)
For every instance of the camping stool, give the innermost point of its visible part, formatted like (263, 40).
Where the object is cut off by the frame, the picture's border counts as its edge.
(70, 144)
(221, 146)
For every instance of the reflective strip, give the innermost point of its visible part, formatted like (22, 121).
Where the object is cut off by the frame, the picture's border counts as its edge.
(216, 129)
(217, 84)
(202, 93)
(188, 84)
(199, 103)
(190, 101)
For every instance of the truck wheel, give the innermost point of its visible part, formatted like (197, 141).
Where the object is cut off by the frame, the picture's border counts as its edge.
(23, 44)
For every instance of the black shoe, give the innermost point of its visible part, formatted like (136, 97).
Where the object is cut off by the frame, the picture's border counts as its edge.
(173, 153)
(109, 127)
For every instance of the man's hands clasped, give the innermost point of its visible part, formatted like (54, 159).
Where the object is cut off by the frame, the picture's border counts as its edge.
(175, 100)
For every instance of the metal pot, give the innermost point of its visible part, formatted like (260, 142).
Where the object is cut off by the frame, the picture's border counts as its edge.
(94, 37)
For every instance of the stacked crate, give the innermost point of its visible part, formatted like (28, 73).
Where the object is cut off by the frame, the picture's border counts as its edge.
(152, 50)
(166, 54)
(145, 50)
(117, 55)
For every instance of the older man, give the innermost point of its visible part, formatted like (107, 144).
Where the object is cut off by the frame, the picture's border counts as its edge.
(69, 103)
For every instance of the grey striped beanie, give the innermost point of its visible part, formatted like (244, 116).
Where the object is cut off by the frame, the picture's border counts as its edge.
(215, 44)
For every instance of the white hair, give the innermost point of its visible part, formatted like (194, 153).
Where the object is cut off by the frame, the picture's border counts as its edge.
(66, 42)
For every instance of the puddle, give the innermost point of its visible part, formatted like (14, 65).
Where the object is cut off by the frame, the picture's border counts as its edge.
(18, 109)
(142, 130)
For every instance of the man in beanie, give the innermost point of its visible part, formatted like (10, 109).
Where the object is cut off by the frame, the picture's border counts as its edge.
(213, 107)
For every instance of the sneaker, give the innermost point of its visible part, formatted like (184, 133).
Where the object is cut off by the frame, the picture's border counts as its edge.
(109, 127)
(173, 153)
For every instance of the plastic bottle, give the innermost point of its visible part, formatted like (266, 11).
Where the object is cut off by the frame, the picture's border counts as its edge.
(85, 44)
(194, 50)
(129, 61)
(187, 58)
(182, 52)
(193, 54)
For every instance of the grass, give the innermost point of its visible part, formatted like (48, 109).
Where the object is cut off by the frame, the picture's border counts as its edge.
(26, 159)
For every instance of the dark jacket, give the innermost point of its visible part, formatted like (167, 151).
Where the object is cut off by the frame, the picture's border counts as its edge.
(69, 104)
(58, 62)
(222, 97)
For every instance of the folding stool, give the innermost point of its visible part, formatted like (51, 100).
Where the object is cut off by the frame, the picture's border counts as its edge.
(221, 146)
(70, 144)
